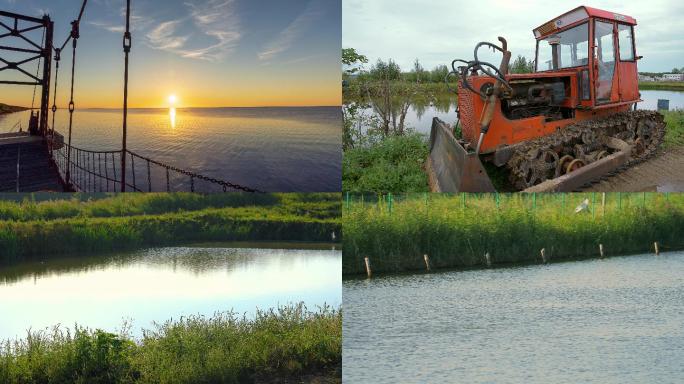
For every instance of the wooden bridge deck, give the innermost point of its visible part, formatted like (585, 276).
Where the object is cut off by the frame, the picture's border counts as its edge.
(35, 172)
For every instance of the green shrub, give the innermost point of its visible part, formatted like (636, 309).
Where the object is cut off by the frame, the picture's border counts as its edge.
(393, 164)
(289, 342)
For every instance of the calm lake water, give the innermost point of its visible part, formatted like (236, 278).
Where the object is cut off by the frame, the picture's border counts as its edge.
(101, 291)
(271, 149)
(617, 320)
(419, 116)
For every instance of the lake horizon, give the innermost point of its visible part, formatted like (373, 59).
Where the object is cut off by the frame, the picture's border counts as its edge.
(271, 149)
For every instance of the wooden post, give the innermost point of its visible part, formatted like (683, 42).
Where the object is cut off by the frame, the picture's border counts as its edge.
(368, 268)
(657, 251)
(488, 259)
(603, 204)
(543, 255)
(601, 250)
(427, 262)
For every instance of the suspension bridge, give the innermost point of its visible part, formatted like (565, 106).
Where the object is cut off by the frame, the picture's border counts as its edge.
(44, 159)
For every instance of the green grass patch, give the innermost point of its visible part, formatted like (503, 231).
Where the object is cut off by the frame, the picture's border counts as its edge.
(289, 343)
(662, 85)
(457, 230)
(392, 164)
(59, 206)
(674, 131)
(31, 229)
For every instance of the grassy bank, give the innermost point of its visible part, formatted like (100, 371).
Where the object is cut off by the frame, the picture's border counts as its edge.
(288, 345)
(457, 230)
(662, 85)
(37, 229)
(393, 164)
(674, 134)
(4, 108)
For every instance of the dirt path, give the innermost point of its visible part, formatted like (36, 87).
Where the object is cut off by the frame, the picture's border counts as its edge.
(663, 173)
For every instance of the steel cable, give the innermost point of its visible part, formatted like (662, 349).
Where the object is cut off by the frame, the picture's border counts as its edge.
(127, 49)
(75, 36)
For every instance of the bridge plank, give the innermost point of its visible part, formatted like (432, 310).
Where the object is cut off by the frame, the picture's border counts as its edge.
(35, 172)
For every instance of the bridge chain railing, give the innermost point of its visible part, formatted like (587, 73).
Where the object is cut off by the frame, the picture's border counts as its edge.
(100, 171)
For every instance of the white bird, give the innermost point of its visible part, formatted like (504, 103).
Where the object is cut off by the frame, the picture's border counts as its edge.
(333, 236)
(583, 207)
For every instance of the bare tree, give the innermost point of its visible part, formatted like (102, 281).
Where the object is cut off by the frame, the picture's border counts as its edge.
(391, 102)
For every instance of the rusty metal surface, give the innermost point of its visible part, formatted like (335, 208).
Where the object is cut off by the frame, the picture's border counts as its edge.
(467, 113)
(503, 154)
(450, 167)
(576, 179)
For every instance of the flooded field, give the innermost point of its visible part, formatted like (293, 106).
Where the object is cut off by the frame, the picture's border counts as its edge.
(614, 320)
(420, 114)
(155, 285)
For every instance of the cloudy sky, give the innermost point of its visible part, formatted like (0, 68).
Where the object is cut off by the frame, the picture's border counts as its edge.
(439, 31)
(207, 52)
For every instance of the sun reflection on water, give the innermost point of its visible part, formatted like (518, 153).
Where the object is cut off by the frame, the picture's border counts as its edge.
(172, 117)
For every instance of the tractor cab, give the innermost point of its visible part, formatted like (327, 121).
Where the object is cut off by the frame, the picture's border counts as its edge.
(599, 47)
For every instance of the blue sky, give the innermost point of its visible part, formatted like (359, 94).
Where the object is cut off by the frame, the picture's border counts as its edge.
(210, 52)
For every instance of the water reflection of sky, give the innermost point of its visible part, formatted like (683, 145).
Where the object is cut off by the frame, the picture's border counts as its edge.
(159, 284)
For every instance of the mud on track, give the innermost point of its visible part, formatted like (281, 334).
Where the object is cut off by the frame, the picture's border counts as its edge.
(663, 173)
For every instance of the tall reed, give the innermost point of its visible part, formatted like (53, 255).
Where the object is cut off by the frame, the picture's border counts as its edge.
(288, 343)
(394, 232)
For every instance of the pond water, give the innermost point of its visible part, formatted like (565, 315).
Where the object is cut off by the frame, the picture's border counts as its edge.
(651, 97)
(419, 116)
(616, 320)
(270, 149)
(155, 285)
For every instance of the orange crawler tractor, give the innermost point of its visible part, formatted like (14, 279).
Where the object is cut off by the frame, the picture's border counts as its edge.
(568, 124)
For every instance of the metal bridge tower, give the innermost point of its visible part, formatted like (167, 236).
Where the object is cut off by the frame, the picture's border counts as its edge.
(41, 50)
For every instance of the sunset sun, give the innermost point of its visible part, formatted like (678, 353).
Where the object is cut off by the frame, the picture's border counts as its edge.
(172, 99)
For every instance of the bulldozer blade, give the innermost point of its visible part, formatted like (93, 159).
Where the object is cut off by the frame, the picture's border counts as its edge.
(450, 167)
(576, 179)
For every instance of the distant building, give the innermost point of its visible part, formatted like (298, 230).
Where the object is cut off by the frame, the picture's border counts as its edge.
(646, 78)
(673, 76)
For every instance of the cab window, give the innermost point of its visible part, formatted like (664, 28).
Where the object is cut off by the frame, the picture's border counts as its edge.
(573, 48)
(625, 40)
